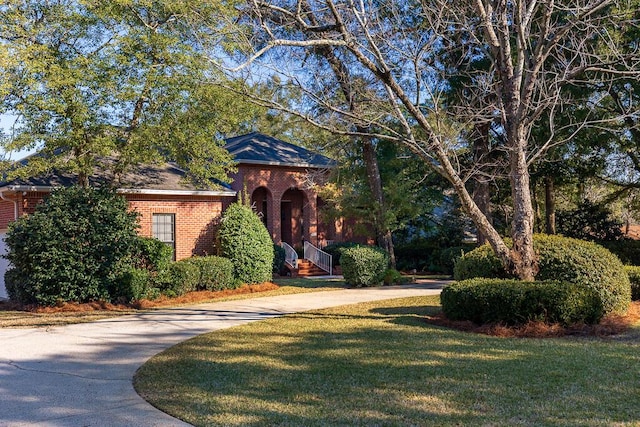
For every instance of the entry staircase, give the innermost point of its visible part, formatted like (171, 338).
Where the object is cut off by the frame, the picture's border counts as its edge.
(315, 262)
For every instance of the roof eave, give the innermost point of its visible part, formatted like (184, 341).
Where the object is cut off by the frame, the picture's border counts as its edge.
(147, 191)
(285, 164)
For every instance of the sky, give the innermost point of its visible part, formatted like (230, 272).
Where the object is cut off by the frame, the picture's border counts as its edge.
(5, 124)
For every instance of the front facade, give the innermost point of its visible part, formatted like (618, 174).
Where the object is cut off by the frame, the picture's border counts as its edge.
(280, 179)
(171, 209)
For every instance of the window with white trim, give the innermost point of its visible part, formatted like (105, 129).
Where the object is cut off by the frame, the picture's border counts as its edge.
(164, 229)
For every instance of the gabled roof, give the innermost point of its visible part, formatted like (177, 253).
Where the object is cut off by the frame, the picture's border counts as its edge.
(257, 148)
(164, 178)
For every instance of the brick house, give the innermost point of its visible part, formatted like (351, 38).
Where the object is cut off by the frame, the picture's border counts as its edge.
(278, 176)
(281, 179)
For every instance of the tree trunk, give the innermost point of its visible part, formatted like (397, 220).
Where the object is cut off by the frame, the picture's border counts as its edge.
(481, 190)
(383, 234)
(549, 205)
(523, 262)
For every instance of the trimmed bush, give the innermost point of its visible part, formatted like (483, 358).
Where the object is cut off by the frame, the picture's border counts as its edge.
(364, 265)
(335, 250)
(133, 285)
(180, 277)
(513, 302)
(246, 242)
(216, 273)
(74, 247)
(480, 262)
(560, 258)
(634, 277)
(152, 254)
(393, 277)
(279, 256)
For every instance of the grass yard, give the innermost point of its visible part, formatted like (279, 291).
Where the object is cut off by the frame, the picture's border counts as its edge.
(79, 313)
(380, 364)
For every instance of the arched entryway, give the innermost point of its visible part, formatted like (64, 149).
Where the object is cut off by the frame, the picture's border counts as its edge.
(292, 217)
(261, 202)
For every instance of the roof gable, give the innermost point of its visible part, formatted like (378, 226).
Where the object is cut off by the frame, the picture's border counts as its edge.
(257, 148)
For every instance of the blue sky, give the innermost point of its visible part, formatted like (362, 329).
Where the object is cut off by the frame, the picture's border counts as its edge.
(5, 123)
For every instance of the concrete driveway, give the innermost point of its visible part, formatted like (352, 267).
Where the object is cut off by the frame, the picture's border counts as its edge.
(80, 375)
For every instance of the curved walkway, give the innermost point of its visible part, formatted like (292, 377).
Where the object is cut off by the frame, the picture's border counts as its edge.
(80, 375)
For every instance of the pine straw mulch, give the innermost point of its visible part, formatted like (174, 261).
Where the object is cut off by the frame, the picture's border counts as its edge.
(609, 326)
(189, 298)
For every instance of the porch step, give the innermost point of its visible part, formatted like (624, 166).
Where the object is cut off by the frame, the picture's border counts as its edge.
(306, 269)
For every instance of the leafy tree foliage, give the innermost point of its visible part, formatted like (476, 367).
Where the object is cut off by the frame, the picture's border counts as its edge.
(246, 242)
(589, 221)
(401, 67)
(88, 79)
(72, 248)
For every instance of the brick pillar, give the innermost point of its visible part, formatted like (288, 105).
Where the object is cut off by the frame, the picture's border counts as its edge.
(276, 230)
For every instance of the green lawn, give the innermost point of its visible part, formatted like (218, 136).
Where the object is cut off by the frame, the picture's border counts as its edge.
(380, 364)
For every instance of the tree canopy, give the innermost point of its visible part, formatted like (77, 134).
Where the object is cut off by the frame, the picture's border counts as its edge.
(512, 62)
(88, 79)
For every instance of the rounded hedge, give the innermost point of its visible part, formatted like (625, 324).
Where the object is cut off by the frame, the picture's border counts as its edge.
(133, 285)
(364, 265)
(335, 250)
(560, 258)
(514, 302)
(180, 277)
(216, 273)
(246, 242)
(74, 247)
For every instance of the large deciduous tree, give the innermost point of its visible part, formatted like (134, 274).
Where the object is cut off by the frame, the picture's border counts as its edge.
(399, 57)
(87, 79)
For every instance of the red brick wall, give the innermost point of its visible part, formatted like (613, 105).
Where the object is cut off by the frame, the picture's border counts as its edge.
(277, 180)
(7, 214)
(195, 216)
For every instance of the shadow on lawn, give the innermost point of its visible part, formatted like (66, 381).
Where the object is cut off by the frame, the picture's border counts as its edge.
(395, 370)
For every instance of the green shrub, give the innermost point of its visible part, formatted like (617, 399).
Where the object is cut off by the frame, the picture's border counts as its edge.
(247, 243)
(364, 265)
(152, 254)
(17, 287)
(444, 260)
(180, 277)
(560, 258)
(480, 262)
(513, 302)
(393, 277)
(72, 248)
(335, 250)
(279, 256)
(133, 285)
(216, 273)
(634, 277)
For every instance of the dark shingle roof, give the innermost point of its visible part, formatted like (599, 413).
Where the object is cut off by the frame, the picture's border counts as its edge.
(257, 148)
(155, 178)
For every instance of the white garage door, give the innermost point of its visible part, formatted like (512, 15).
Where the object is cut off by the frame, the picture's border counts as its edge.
(4, 265)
